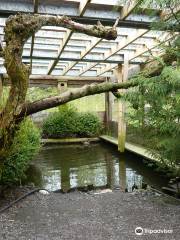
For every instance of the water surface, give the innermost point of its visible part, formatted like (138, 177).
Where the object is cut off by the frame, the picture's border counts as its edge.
(70, 166)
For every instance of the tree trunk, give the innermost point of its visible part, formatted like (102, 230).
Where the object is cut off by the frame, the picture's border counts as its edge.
(17, 31)
(71, 95)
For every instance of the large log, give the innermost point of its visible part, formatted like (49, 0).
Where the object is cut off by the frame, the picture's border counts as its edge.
(71, 95)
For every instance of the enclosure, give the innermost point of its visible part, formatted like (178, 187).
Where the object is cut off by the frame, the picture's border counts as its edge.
(89, 104)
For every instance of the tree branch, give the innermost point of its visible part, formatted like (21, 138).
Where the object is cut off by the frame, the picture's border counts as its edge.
(71, 95)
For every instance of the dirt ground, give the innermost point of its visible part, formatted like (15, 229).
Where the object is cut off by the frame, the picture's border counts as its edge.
(89, 216)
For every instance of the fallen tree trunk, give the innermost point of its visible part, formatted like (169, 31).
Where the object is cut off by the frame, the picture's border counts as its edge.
(71, 95)
(151, 69)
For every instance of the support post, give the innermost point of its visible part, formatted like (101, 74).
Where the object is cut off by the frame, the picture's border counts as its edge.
(62, 86)
(108, 108)
(122, 75)
(110, 170)
(122, 173)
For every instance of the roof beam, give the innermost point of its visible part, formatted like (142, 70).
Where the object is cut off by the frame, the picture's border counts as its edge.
(82, 8)
(114, 50)
(130, 39)
(96, 61)
(60, 50)
(93, 43)
(128, 9)
(140, 52)
(108, 68)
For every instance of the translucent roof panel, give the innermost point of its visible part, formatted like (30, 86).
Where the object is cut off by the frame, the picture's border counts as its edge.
(56, 50)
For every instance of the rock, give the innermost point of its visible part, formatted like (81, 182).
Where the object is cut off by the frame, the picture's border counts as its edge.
(104, 191)
(86, 143)
(44, 192)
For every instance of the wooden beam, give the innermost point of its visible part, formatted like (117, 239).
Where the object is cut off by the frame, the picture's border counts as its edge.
(49, 80)
(122, 75)
(88, 48)
(82, 8)
(166, 14)
(108, 107)
(114, 50)
(140, 52)
(122, 173)
(60, 50)
(105, 69)
(128, 9)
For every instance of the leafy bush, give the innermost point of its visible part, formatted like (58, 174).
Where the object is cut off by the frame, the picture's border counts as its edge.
(155, 116)
(89, 124)
(25, 145)
(67, 122)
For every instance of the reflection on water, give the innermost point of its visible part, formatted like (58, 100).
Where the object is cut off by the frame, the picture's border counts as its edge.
(69, 166)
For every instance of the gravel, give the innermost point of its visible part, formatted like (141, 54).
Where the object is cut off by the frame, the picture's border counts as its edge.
(88, 216)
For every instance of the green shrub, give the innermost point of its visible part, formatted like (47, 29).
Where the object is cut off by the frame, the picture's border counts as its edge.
(67, 122)
(89, 124)
(25, 145)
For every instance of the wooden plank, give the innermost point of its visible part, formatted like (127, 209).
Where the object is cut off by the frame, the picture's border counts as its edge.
(137, 149)
(69, 140)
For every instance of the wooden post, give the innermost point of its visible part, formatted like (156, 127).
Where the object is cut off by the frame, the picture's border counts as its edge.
(62, 86)
(109, 170)
(122, 173)
(108, 108)
(122, 75)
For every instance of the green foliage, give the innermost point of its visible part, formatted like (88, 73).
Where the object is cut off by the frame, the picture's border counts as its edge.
(89, 124)
(4, 97)
(67, 122)
(37, 93)
(156, 107)
(25, 145)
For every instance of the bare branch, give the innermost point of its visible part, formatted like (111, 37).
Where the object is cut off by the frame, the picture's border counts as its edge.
(116, 22)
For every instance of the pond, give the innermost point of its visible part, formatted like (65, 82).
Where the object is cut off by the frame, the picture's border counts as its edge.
(101, 165)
